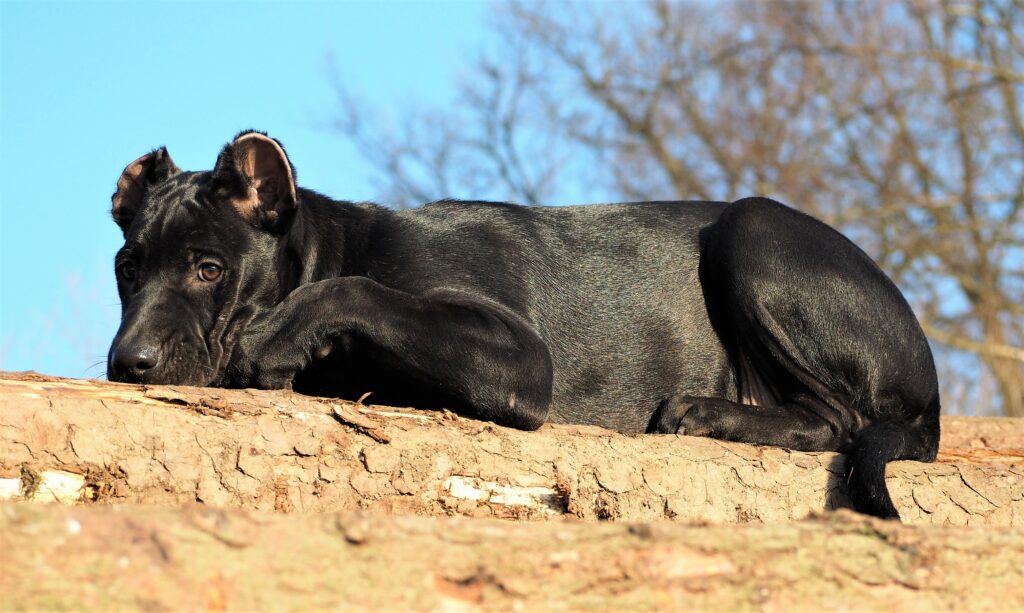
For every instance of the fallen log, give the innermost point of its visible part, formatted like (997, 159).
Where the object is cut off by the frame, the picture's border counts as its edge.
(89, 441)
(982, 432)
(198, 558)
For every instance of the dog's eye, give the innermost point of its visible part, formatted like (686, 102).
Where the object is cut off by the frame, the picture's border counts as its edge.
(209, 272)
(127, 272)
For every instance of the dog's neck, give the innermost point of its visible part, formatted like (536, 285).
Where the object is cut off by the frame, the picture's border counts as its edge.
(330, 238)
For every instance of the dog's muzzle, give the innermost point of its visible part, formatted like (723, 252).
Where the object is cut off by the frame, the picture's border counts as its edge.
(129, 362)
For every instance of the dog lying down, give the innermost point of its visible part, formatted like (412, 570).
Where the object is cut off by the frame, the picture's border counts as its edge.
(744, 321)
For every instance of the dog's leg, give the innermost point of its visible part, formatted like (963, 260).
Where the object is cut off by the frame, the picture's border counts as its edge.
(466, 347)
(823, 344)
(800, 423)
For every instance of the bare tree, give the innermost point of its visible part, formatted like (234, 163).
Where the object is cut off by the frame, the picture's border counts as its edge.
(901, 123)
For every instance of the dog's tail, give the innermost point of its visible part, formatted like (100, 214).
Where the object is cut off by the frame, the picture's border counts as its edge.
(877, 445)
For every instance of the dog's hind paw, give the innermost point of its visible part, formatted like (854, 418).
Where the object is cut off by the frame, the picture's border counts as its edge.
(668, 418)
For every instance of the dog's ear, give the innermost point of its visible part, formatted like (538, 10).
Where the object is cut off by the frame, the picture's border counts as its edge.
(253, 173)
(135, 181)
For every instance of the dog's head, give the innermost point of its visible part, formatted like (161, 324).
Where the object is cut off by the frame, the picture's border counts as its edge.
(199, 258)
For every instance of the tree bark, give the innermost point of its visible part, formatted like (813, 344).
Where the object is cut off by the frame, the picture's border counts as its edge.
(102, 443)
(135, 558)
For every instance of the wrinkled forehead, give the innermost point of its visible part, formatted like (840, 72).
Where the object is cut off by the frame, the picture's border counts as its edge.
(177, 214)
(182, 187)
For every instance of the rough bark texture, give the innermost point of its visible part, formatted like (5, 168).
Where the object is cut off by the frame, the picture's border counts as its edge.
(119, 558)
(74, 440)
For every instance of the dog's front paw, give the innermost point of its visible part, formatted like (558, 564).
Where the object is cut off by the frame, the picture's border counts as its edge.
(246, 370)
(272, 379)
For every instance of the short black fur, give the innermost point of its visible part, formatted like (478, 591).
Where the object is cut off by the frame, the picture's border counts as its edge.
(744, 321)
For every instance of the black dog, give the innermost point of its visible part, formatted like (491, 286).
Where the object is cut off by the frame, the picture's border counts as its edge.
(746, 321)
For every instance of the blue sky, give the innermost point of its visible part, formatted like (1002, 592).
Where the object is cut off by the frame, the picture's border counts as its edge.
(86, 87)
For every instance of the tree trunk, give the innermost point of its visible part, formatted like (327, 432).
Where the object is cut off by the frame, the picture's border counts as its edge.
(133, 558)
(107, 443)
(1009, 376)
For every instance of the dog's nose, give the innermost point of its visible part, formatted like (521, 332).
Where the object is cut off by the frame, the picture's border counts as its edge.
(135, 359)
